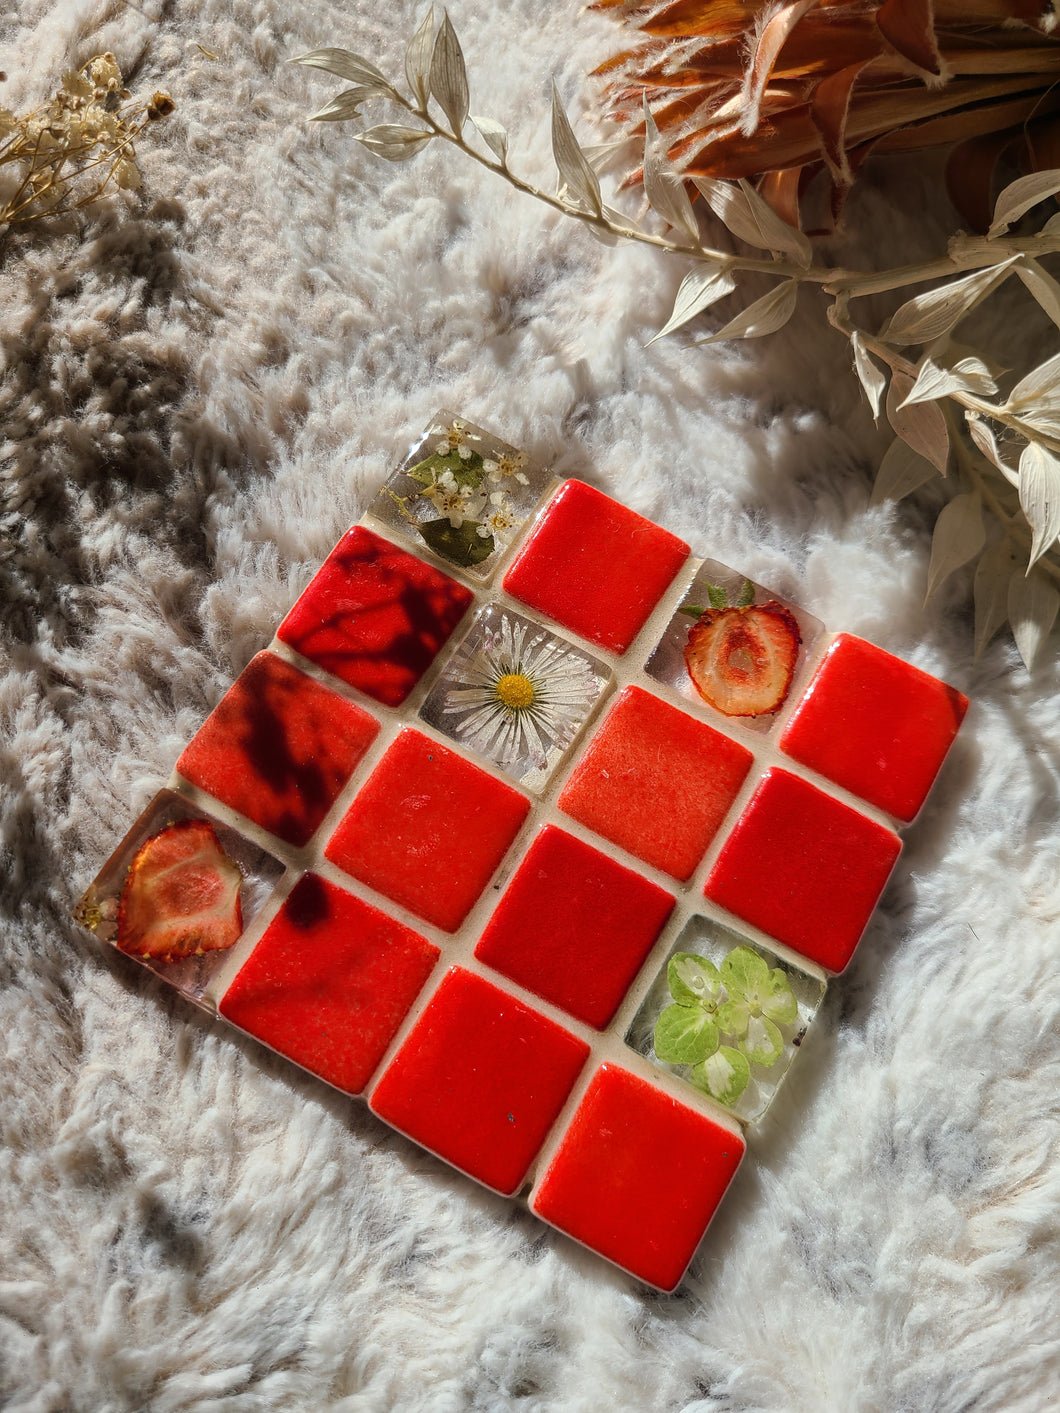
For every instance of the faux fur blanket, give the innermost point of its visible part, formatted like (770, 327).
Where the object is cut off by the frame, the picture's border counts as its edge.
(198, 394)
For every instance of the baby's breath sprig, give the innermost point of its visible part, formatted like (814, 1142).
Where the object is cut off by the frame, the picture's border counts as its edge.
(999, 453)
(77, 147)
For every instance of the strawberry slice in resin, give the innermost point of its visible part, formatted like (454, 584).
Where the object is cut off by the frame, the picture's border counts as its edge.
(742, 660)
(181, 895)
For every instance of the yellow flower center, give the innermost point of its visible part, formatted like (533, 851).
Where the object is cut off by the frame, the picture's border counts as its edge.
(515, 691)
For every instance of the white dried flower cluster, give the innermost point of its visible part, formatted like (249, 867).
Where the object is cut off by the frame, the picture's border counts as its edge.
(76, 147)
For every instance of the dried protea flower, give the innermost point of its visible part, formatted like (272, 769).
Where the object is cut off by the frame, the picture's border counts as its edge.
(777, 92)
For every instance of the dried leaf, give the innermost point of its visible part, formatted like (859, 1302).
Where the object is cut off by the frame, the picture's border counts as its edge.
(449, 76)
(933, 381)
(873, 382)
(662, 186)
(764, 316)
(901, 472)
(347, 104)
(752, 219)
(1032, 608)
(983, 435)
(573, 165)
(1039, 390)
(393, 142)
(351, 67)
(494, 136)
(959, 536)
(1039, 486)
(922, 425)
(990, 591)
(935, 312)
(1020, 196)
(699, 289)
(418, 59)
(1044, 288)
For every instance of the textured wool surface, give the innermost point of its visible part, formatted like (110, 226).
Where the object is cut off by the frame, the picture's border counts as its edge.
(198, 395)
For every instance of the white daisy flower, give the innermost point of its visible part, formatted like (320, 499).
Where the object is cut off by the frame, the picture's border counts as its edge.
(520, 696)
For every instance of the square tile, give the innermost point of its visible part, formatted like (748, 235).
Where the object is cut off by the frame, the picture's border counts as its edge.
(375, 616)
(516, 695)
(734, 647)
(462, 493)
(278, 748)
(728, 1015)
(595, 566)
(638, 1176)
(804, 868)
(329, 983)
(480, 1080)
(574, 926)
(178, 892)
(428, 829)
(875, 725)
(656, 781)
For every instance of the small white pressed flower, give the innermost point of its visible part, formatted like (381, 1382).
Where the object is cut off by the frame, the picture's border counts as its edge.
(456, 438)
(521, 695)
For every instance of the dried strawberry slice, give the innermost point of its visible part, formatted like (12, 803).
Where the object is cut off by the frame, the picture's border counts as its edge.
(181, 895)
(742, 660)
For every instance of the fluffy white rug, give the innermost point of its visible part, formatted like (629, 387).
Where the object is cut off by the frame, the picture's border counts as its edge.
(196, 399)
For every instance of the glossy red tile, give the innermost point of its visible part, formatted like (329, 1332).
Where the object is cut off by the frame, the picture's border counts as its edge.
(574, 926)
(278, 748)
(656, 781)
(329, 983)
(375, 616)
(480, 1080)
(427, 829)
(595, 566)
(875, 725)
(804, 868)
(638, 1176)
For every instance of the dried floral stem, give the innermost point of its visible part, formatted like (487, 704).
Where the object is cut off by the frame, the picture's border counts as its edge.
(926, 379)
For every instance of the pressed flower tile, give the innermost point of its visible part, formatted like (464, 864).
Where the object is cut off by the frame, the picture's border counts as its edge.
(562, 911)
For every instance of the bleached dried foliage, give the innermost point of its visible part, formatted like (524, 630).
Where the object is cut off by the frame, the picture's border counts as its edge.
(999, 454)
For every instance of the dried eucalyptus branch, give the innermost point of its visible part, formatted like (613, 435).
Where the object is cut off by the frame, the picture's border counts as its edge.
(77, 147)
(1000, 455)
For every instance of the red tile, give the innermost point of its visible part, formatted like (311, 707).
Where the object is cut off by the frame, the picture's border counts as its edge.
(595, 566)
(428, 829)
(375, 616)
(804, 868)
(656, 781)
(278, 748)
(329, 983)
(638, 1177)
(875, 725)
(574, 926)
(480, 1080)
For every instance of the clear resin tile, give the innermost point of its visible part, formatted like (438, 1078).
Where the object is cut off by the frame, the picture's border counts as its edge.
(735, 647)
(516, 695)
(727, 1015)
(462, 493)
(179, 881)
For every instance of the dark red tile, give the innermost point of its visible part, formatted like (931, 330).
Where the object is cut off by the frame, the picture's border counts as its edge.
(595, 566)
(329, 983)
(804, 868)
(574, 926)
(656, 781)
(638, 1176)
(278, 748)
(427, 829)
(375, 616)
(480, 1080)
(875, 725)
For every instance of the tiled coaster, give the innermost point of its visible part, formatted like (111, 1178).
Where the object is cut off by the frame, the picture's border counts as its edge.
(540, 835)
